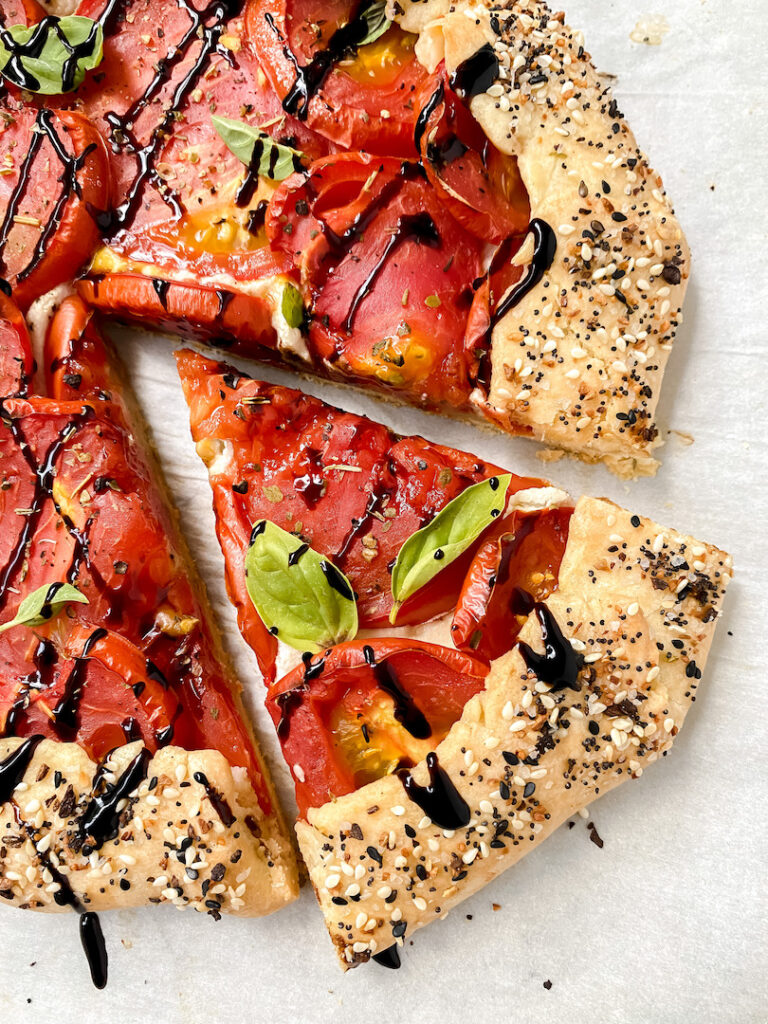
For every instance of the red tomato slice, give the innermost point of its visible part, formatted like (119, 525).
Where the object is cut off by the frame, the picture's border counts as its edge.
(348, 486)
(363, 710)
(16, 365)
(77, 365)
(360, 97)
(388, 271)
(480, 185)
(524, 551)
(96, 520)
(59, 173)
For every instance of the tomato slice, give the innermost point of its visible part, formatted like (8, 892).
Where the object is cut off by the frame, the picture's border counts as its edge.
(57, 173)
(16, 365)
(348, 486)
(361, 97)
(388, 271)
(480, 185)
(523, 552)
(363, 710)
(92, 516)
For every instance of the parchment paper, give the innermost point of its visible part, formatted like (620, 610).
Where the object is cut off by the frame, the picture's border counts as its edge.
(668, 921)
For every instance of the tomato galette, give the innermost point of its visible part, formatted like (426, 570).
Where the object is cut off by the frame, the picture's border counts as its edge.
(127, 773)
(457, 659)
(443, 205)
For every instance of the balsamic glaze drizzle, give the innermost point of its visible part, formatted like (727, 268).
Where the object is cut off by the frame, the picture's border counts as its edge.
(100, 820)
(425, 113)
(15, 71)
(545, 247)
(336, 580)
(560, 665)
(440, 800)
(407, 713)
(14, 766)
(389, 957)
(476, 74)
(218, 802)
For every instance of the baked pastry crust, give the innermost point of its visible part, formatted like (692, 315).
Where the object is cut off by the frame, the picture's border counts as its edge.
(640, 603)
(578, 361)
(172, 841)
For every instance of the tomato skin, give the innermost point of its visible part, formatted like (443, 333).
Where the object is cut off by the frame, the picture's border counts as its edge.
(480, 185)
(523, 551)
(75, 234)
(388, 272)
(16, 363)
(343, 680)
(345, 108)
(226, 318)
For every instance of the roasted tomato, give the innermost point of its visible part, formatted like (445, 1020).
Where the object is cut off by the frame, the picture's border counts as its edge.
(137, 660)
(358, 96)
(348, 486)
(56, 173)
(480, 185)
(16, 365)
(388, 271)
(524, 552)
(187, 232)
(363, 710)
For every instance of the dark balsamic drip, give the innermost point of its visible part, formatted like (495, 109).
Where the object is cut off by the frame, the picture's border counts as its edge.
(218, 802)
(122, 134)
(14, 766)
(476, 74)
(224, 299)
(406, 711)
(71, 165)
(310, 77)
(418, 227)
(388, 958)
(15, 71)
(250, 182)
(336, 580)
(161, 290)
(257, 216)
(377, 501)
(131, 730)
(295, 555)
(44, 659)
(100, 820)
(440, 800)
(545, 247)
(510, 545)
(311, 485)
(94, 947)
(65, 714)
(258, 529)
(450, 149)
(44, 473)
(426, 112)
(560, 665)
(289, 700)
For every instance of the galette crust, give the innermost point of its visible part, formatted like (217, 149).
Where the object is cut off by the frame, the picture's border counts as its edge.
(640, 602)
(171, 847)
(578, 362)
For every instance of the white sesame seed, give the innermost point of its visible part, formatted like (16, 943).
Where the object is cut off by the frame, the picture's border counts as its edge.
(669, 724)
(517, 726)
(508, 710)
(352, 890)
(298, 771)
(398, 810)
(425, 822)
(419, 903)
(384, 892)
(32, 806)
(361, 919)
(652, 674)
(126, 858)
(331, 881)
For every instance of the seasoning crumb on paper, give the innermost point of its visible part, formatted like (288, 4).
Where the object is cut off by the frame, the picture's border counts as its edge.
(650, 30)
(594, 835)
(547, 984)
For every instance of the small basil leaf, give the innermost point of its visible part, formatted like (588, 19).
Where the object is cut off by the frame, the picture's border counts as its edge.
(428, 551)
(292, 307)
(299, 594)
(42, 604)
(52, 56)
(257, 150)
(376, 20)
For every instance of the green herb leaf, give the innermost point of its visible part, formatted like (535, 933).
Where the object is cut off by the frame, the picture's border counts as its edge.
(299, 594)
(428, 551)
(42, 604)
(64, 48)
(275, 161)
(292, 307)
(376, 21)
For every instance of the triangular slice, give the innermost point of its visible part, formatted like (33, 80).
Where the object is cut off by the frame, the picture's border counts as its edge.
(565, 646)
(128, 774)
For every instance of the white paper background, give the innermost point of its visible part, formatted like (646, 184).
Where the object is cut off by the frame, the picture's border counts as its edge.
(668, 921)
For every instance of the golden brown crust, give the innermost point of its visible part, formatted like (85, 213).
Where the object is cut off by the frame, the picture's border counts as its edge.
(170, 843)
(578, 362)
(640, 603)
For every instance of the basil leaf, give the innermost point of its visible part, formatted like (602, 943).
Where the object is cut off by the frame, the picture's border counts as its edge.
(299, 594)
(292, 307)
(250, 144)
(42, 604)
(376, 20)
(428, 551)
(58, 53)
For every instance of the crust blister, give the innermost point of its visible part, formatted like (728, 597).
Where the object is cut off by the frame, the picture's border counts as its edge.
(171, 844)
(640, 603)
